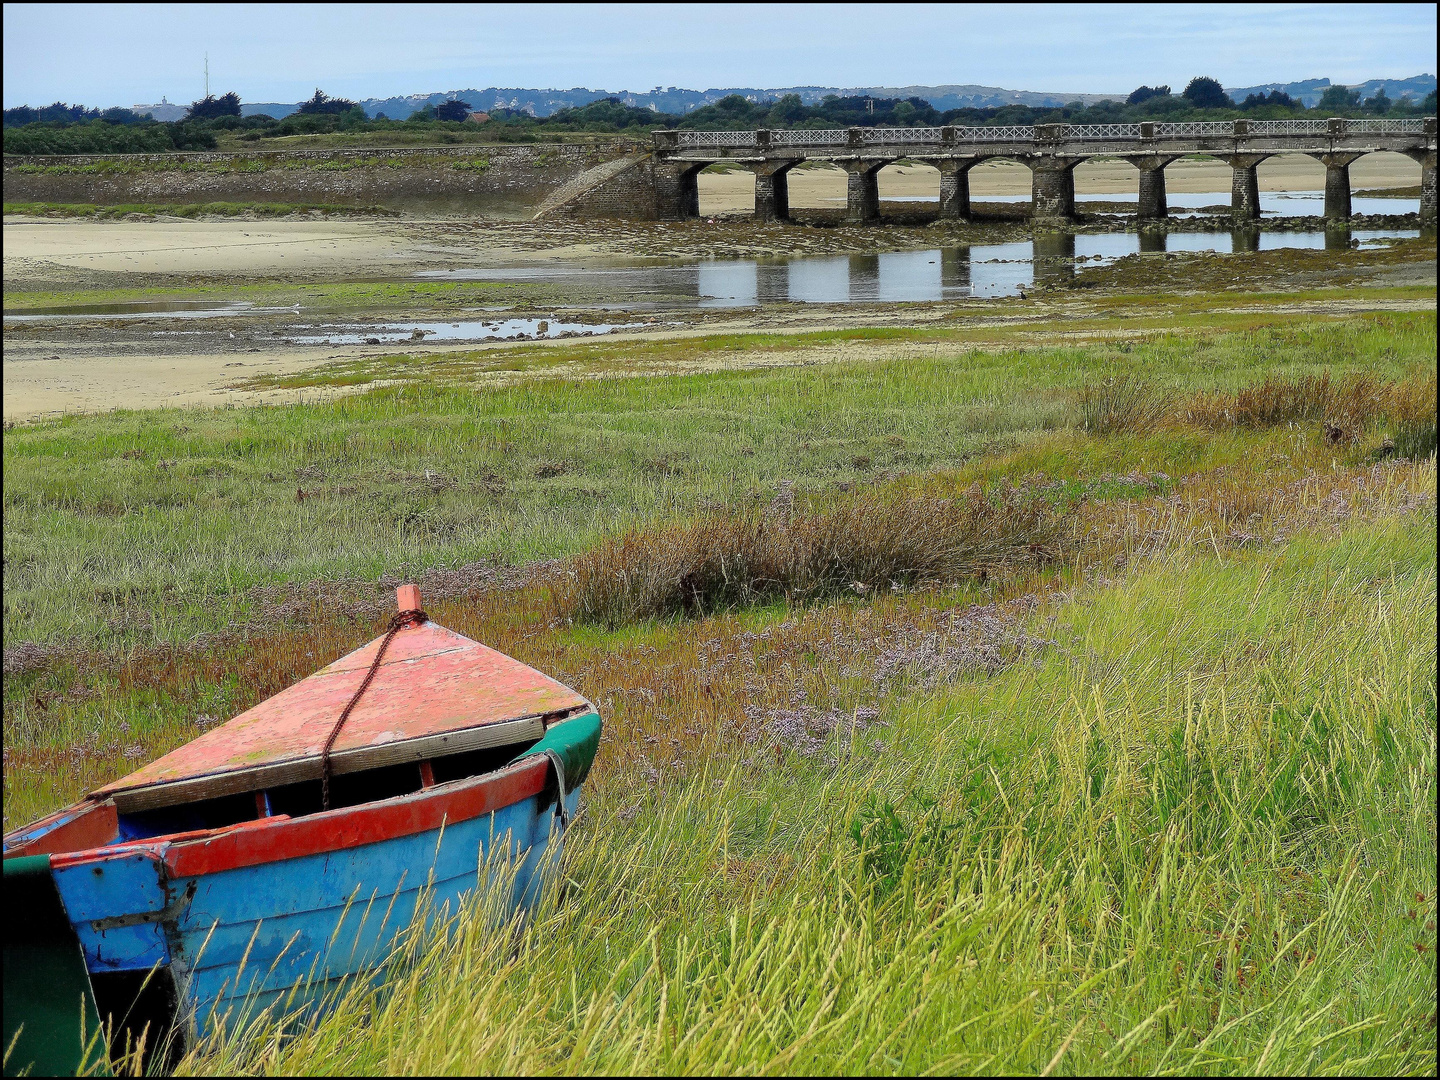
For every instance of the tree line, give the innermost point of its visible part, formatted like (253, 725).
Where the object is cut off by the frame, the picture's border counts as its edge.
(73, 129)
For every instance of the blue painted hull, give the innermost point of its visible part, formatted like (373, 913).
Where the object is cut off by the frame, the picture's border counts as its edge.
(289, 932)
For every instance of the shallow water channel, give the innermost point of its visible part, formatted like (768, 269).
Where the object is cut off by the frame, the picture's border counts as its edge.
(978, 270)
(951, 273)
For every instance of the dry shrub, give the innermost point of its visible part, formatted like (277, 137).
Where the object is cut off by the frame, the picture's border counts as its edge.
(1122, 403)
(1345, 405)
(874, 541)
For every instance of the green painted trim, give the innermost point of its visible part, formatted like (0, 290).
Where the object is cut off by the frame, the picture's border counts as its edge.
(575, 741)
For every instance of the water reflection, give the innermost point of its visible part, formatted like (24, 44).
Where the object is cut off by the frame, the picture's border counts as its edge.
(1054, 258)
(892, 276)
(1244, 240)
(977, 270)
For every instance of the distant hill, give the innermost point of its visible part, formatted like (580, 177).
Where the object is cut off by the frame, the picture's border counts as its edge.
(1309, 91)
(677, 101)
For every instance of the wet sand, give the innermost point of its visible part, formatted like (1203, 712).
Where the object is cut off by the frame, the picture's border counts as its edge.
(199, 247)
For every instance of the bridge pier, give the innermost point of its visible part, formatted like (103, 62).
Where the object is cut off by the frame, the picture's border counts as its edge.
(772, 189)
(1426, 158)
(1052, 188)
(677, 189)
(954, 188)
(1245, 186)
(862, 191)
(1337, 184)
(1152, 204)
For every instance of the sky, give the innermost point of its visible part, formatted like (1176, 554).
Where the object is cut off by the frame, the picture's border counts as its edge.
(126, 54)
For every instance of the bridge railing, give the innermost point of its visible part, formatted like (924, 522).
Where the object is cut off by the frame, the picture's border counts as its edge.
(1010, 133)
(937, 136)
(810, 137)
(1386, 127)
(880, 136)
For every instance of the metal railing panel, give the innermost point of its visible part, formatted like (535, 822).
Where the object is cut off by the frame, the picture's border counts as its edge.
(716, 138)
(1289, 127)
(1011, 133)
(1386, 127)
(1196, 128)
(1102, 131)
(810, 137)
(892, 136)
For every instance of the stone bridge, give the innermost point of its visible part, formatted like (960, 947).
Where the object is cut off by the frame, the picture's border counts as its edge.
(1051, 151)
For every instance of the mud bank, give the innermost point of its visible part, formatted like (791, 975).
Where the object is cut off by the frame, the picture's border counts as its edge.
(491, 181)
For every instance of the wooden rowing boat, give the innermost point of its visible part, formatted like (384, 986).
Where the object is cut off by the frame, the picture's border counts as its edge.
(283, 852)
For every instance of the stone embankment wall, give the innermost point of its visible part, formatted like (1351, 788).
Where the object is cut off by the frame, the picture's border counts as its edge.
(499, 181)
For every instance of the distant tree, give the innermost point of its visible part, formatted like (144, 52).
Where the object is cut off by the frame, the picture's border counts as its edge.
(786, 111)
(212, 107)
(381, 116)
(453, 110)
(903, 112)
(117, 115)
(1204, 92)
(322, 103)
(1379, 104)
(1145, 93)
(1275, 97)
(1427, 105)
(1339, 99)
(422, 115)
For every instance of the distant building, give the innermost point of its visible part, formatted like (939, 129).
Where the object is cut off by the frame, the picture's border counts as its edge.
(479, 117)
(165, 110)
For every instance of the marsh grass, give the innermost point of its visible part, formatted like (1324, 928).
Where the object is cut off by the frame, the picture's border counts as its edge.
(1345, 404)
(1195, 836)
(133, 527)
(1121, 403)
(1348, 402)
(1160, 801)
(876, 540)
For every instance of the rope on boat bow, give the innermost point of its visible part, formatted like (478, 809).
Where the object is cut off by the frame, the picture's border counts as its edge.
(410, 617)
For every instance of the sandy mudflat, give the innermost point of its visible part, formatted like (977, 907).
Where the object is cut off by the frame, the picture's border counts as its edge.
(78, 383)
(199, 247)
(726, 192)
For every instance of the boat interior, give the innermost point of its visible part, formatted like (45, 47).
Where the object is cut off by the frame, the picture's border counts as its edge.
(99, 823)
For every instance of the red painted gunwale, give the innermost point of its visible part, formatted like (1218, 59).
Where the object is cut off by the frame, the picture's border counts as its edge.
(251, 843)
(356, 826)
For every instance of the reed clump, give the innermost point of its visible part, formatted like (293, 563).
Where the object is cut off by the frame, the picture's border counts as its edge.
(1122, 403)
(1345, 405)
(871, 542)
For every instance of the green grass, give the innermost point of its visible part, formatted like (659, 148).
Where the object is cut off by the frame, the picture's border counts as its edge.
(1189, 827)
(1197, 835)
(170, 518)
